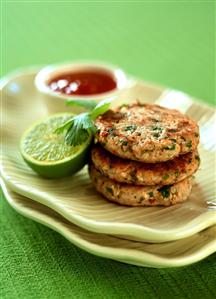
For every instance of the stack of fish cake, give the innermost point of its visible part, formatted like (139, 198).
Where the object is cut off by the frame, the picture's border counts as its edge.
(145, 155)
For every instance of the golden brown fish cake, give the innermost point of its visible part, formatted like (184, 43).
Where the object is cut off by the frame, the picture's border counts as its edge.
(138, 173)
(147, 133)
(132, 195)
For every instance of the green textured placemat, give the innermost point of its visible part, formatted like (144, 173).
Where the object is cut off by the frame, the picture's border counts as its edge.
(168, 42)
(36, 262)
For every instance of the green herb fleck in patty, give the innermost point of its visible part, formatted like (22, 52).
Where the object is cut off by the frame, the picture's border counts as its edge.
(133, 175)
(165, 177)
(172, 130)
(177, 173)
(197, 158)
(156, 128)
(189, 144)
(165, 191)
(141, 199)
(151, 194)
(131, 128)
(170, 147)
(111, 131)
(156, 135)
(124, 142)
(110, 190)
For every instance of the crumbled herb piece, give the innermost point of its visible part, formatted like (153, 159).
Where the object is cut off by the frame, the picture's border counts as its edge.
(141, 199)
(173, 190)
(155, 120)
(133, 175)
(172, 130)
(170, 147)
(156, 135)
(197, 158)
(157, 128)
(177, 173)
(124, 142)
(196, 134)
(111, 131)
(131, 128)
(150, 194)
(165, 191)
(165, 177)
(189, 144)
(110, 190)
(173, 139)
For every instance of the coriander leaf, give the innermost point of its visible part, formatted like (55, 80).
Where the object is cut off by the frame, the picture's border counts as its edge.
(81, 128)
(65, 127)
(101, 108)
(88, 104)
(165, 191)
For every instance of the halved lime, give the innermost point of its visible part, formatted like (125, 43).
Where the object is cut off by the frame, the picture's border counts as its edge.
(46, 152)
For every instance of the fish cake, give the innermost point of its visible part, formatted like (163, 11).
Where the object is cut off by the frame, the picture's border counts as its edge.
(147, 132)
(138, 173)
(131, 195)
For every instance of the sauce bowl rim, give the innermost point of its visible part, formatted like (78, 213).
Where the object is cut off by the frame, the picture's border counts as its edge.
(53, 70)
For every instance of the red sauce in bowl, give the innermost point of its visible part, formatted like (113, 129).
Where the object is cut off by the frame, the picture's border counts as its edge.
(83, 83)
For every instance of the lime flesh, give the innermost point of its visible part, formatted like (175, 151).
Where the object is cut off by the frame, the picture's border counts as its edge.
(46, 152)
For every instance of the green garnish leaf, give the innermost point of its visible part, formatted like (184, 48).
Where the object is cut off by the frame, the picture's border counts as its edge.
(77, 129)
(64, 128)
(90, 105)
(101, 108)
(80, 129)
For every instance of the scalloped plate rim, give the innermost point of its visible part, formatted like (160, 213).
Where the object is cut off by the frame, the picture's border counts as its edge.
(122, 228)
(121, 255)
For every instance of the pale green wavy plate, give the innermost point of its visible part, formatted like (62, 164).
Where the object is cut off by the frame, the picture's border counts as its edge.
(75, 198)
(171, 254)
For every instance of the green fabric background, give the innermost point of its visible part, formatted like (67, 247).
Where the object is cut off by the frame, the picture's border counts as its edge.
(168, 42)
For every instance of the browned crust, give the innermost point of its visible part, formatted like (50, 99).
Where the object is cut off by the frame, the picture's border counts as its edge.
(132, 195)
(137, 173)
(147, 133)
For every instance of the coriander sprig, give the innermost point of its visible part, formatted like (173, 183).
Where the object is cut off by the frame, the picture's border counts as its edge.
(77, 129)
